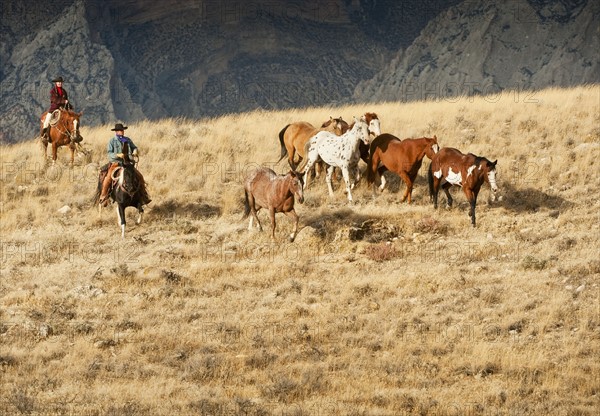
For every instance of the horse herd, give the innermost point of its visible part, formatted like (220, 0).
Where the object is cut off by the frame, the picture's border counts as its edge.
(340, 145)
(336, 144)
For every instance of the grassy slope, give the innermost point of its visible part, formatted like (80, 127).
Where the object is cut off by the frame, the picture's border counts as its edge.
(377, 309)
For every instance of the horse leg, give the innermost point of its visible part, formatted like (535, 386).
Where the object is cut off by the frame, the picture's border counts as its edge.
(272, 216)
(54, 151)
(330, 170)
(472, 198)
(446, 188)
(72, 156)
(382, 169)
(253, 211)
(346, 175)
(140, 215)
(434, 189)
(356, 176)
(307, 168)
(291, 151)
(292, 214)
(45, 149)
(404, 176)
(121, 218)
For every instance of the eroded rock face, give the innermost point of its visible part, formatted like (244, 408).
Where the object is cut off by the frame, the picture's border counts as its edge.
(136, 59)
(484, 47)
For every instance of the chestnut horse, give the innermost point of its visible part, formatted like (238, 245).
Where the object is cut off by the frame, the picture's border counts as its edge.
(294, 136)
(403, 157)
(263, 188)
(451, 167)
(64, 131)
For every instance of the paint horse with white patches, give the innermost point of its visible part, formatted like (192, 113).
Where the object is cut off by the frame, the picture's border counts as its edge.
(64, 130)
(449, 167)
(263, 188)
(341, 152)
(403, 157)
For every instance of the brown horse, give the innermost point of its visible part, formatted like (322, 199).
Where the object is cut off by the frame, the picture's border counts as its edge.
(263, 188)
(403, 157)
(294, 136)
(64, 131)
(451, 167)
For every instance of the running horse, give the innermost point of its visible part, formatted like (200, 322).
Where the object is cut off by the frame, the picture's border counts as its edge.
(64, 130)
(451, 167)
(277, 193)
(342, 152)
(403, 157)
(294, 136)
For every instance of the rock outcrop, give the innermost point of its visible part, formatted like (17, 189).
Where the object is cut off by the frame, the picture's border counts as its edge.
(482, 47)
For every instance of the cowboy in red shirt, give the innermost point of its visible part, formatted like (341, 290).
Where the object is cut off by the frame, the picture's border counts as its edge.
(58, 99)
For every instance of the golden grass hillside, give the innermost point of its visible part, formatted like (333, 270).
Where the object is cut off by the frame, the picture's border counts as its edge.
(378, 308)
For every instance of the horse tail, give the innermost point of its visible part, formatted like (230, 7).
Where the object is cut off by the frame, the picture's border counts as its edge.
(284, 151)
(246, 205)
(303, 162)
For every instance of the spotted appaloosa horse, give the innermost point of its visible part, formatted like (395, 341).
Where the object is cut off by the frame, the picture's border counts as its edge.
(65, 131)
(294, 136)
(403, 157)
(341, 152)
(451, 167)
(277, 193)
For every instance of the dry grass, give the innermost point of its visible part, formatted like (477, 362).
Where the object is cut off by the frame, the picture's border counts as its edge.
(377, 309)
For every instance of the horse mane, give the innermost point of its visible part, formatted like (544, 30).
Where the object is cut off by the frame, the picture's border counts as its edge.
(370, 116)
(479, 159)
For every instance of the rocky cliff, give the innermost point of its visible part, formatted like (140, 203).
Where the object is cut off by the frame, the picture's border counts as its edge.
(126, 60)
(484, 47)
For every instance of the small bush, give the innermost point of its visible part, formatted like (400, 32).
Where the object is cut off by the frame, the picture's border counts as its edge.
(381, 252)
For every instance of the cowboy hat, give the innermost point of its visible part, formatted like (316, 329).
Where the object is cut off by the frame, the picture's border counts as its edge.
(119, 127)
(58, 79)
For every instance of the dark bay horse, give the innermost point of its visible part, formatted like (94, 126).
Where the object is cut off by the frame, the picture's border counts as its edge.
(264, 188)
(403, 157)
(127, 190)
(64, 130)
(294, 136)
(451, 167)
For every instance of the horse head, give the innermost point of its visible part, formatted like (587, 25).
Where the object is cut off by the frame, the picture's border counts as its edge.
(72, 124)
(129, 180)
(341, 126)
(373, 122)
(491, 174)
(361, 127)
(488, 171)
(432, 147)
(297, 185)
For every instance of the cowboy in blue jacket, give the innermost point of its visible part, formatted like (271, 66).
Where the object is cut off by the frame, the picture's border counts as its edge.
(114, 149)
